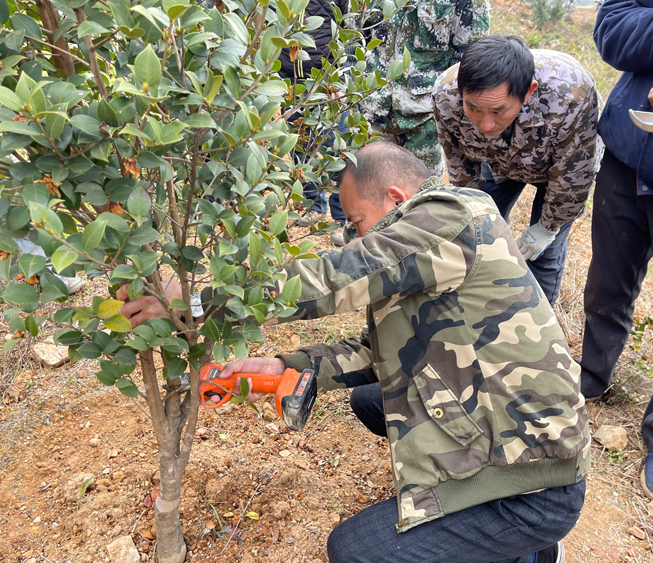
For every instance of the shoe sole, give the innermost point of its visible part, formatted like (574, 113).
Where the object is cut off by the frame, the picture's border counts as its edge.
(561, 553)
(642, 480)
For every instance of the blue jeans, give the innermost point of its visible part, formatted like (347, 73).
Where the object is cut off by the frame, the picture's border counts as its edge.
(507, 530)
(548, 268)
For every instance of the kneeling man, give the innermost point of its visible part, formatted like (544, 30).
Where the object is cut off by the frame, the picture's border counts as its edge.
(463, 367)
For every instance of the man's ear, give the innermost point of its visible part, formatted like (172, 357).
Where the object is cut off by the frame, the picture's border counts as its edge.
(531, 89)
(397, 195)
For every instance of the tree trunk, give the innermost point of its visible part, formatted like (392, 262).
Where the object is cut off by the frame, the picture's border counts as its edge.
(50, 18)
(174, 421)
(170, 544)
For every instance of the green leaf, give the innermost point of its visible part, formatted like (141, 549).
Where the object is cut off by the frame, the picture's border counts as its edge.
(92, 235)
(197, 120)
(8, 244)
(406, 58)
(107, 114)
(4, 11)
(87, 124)
(292, 289)
(31, 325)
(21, 294)
(89, 27)
(118, 323)
(211, 330)
(278, 222)
(26, 24)
(175, 368)
(67, 337)
(19, 127)
(8, 98)
(179, 305)
(127, 387)
(395, 68)
(31, 264)
(109, 308)
(148, 67)
(139, 203)
(63, 257)
(9, 344)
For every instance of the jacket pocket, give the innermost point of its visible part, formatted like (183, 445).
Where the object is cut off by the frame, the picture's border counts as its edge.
(435, 21)
(444, 408)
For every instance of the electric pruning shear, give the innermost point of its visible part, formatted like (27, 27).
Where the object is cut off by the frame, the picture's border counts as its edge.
(295, 392)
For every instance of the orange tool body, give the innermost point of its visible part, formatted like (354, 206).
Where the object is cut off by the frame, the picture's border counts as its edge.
(295, 392)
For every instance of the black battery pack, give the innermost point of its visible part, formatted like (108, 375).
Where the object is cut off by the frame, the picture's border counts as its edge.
(297, 407)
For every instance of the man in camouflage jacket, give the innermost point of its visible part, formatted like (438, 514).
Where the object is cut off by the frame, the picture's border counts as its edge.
(480, 392)
(436, 34)
(550, 140)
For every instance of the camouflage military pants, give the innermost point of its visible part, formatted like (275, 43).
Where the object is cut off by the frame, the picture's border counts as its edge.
(421, 140)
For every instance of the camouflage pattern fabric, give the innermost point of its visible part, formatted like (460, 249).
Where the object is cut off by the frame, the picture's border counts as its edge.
(436, 33)
(481, 393)
(554, 141)
(422, 141)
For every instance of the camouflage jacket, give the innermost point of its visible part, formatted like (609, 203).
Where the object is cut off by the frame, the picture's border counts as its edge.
(436, 33)
(480, 391)
(554, 139)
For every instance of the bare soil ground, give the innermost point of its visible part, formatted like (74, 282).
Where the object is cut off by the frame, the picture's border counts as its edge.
(254, 492)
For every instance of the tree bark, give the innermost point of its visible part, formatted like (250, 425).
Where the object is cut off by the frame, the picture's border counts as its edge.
(50, 18)
(174, 422)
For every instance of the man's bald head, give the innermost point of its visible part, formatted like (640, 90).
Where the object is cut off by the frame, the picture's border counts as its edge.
(381, 165)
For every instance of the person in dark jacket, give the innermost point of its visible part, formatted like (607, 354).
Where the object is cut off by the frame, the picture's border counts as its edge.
(622, 219)
(296, 71)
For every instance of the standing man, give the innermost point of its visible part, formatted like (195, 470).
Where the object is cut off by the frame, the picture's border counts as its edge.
(622, 218)
(436, 33)
(532, 117)
(474, 384)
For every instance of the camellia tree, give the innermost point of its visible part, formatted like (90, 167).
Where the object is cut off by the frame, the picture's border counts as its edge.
(138, 133)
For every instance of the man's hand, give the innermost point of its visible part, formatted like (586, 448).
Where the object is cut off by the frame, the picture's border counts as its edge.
(273, 366)
(147, 307)
(535, 240)
(650, 96)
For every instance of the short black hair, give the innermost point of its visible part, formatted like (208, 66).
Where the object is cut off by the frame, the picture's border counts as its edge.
(496, 60)
(381, 165)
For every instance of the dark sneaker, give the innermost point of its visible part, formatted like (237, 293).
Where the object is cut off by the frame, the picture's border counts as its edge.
(310, 217)
(553, 554)
(646, 477)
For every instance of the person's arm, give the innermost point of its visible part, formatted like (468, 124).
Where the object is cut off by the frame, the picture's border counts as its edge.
(575, 162)
(623, 33)
(471, 23)
(345, 364)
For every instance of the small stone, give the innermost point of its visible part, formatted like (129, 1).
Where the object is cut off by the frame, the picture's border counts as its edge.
(284, 453)
(50, 354)
(78, 486)
(614, 438)
(123, 550)
(270, 416)
(37, 520)
(106, 483)
(94, 442)
(118, 476)
(637, 532)
(113, 453)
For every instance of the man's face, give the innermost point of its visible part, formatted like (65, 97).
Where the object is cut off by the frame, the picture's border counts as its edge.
(493, 110)
(362, 213)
